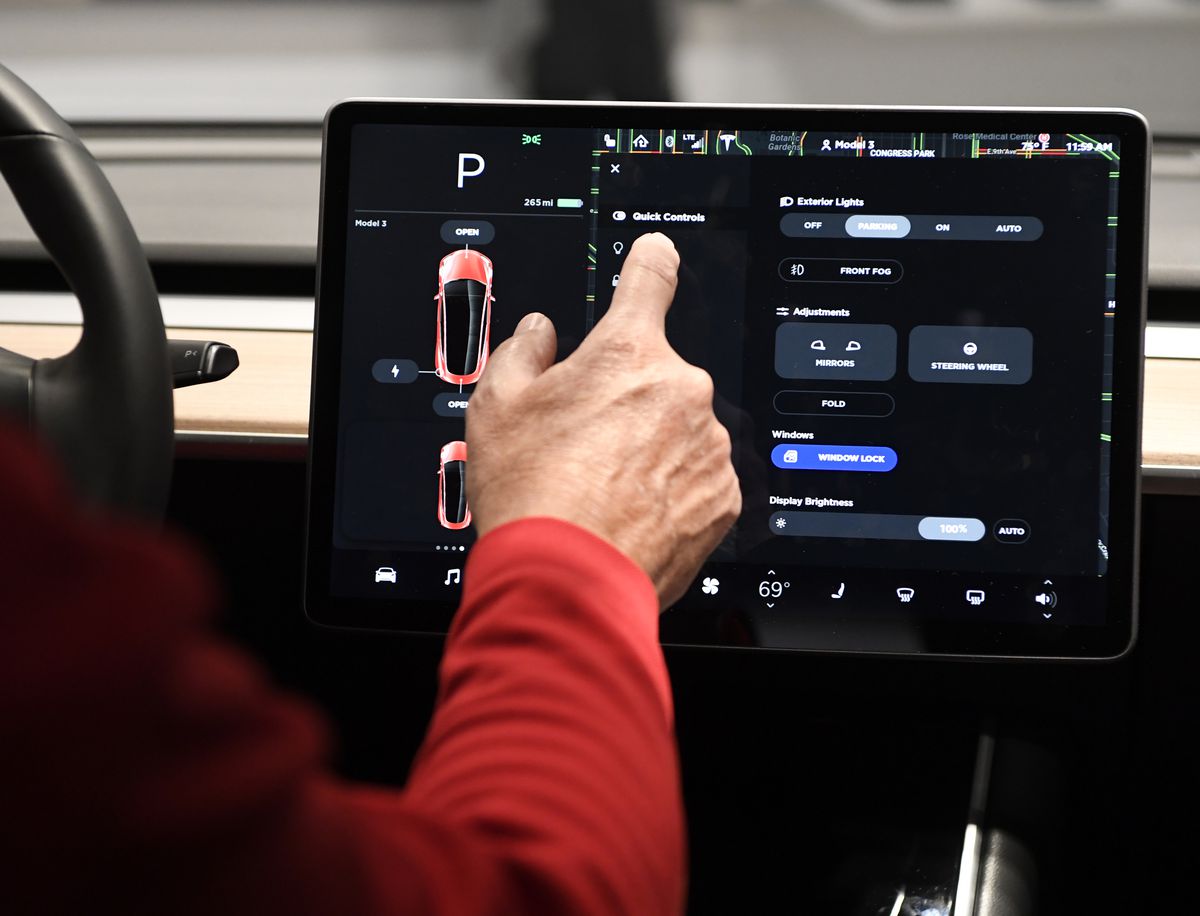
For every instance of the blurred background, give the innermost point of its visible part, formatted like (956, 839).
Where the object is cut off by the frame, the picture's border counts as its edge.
(271, 60)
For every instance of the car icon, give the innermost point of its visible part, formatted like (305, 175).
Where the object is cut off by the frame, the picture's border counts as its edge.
(385, 574)
(464, 316)
(453, 511)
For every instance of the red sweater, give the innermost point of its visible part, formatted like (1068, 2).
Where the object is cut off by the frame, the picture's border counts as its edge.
(145, 767)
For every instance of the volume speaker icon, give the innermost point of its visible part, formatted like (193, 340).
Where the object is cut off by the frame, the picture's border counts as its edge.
(1046, 599)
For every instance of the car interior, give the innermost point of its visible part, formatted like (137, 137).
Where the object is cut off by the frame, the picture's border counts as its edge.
(941, 258)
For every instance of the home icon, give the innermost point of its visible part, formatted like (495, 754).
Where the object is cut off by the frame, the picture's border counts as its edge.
(640, 142)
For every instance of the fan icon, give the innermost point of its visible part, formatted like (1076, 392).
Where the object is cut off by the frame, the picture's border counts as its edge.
(710, 586)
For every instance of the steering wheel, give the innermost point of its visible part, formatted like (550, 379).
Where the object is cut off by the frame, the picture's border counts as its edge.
(106, 407)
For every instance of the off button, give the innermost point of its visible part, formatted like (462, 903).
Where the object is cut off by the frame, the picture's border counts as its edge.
(1011, 531)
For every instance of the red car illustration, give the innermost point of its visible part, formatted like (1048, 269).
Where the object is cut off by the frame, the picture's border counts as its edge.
(464, 316)
(453, 511)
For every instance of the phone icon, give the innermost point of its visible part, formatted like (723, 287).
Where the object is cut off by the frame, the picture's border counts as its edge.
(841, 591)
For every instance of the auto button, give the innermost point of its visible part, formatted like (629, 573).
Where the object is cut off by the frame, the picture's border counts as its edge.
(1011, 531)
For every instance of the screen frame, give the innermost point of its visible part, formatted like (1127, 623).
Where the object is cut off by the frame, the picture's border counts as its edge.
(997, 641)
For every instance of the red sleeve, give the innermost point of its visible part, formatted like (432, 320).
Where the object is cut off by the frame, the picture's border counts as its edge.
(148, 768)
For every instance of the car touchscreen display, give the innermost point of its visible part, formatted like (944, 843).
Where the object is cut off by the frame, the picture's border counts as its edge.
(923, 328)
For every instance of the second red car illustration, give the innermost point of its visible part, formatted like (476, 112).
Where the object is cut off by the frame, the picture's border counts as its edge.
(453, 511)
(464, 316)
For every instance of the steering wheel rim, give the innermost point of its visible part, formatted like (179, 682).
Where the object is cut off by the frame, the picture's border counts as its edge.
(106, 408)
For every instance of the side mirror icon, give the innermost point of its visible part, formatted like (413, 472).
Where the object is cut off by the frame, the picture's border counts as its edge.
(817, 345)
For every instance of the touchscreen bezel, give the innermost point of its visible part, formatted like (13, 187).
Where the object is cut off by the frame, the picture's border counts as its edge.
(978, 639)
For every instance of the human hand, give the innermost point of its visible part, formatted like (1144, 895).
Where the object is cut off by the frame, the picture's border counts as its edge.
(619, 438)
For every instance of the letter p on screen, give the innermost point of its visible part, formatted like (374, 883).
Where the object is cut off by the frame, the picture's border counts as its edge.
(464, 173)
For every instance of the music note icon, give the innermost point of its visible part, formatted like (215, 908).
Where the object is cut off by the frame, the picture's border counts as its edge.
(453, 577)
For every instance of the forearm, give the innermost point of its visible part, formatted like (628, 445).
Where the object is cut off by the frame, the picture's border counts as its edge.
(552, 743)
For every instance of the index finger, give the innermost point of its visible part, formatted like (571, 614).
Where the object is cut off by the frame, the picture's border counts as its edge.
(646, 288)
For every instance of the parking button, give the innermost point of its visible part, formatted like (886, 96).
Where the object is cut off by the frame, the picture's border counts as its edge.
(878, 227)
(1011, 531)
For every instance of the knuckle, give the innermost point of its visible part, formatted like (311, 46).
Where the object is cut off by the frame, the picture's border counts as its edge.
(619, 350)
(483, 398)
(696, 383)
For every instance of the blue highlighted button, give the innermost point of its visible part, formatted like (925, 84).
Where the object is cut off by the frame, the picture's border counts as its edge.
(833, 457)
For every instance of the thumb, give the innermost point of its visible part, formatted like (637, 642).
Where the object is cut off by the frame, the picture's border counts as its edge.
(521, 358)
(646, 288)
